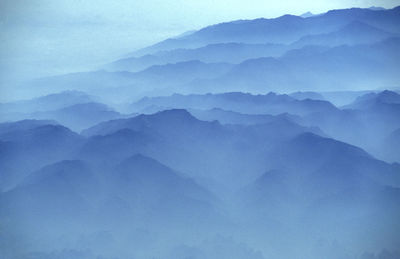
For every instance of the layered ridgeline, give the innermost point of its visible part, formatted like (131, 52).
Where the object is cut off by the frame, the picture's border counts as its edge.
(228, 175)
(189, 149)
(74, 109)
(328, 52)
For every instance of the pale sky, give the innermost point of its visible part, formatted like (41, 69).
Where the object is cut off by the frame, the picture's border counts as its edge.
(40, 37)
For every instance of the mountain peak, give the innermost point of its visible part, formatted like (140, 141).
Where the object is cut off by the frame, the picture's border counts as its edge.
(307, 14)
(377, 8)
(370, 99)
(388, 97)
(24, 125)
(288, 17)
(174, 114)
(163, 120)
(66, 170)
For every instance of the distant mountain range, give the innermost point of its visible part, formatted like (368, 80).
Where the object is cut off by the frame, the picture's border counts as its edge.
(270, 103)
(251, 139)
(328, 52)
(48, 102)
(354, 33)
(351, 34)
(311, 68)
(285, 29)
(76, 110)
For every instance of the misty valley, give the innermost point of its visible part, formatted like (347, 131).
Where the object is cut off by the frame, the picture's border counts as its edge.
(251, 139)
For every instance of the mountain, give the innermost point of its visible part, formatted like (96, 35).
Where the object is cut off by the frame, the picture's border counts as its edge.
(351, 34)
(213, 53)
(372, 99)
(55, 193)
(48, 102)
(134, 193)
(23, 125)
(309, 169)
(310, 147)
(337, 166)
(236, 41)
(212, 163)
(285, 29)
(253, 55)
(120, 86)
(280, 30)
(270, 103)
(135, 64)
(307, 95)
(123, 180)
(29, 145)
(181, 72)
(366, 122)
(390, 146)
(377, 8)
(230, 117)
(79, 116)
(73, 109)
(166, 135)
(307, 14)
(159, 121)
(98, 83)
(382, 108)
(73, 172)
(341, 98)
(163, 136)
(114, 147)
(309, 68)
(312, 181)
(227, 117)
(144, 181)
(33, 132)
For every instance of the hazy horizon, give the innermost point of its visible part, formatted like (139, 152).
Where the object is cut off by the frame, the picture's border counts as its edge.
(48, 38)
